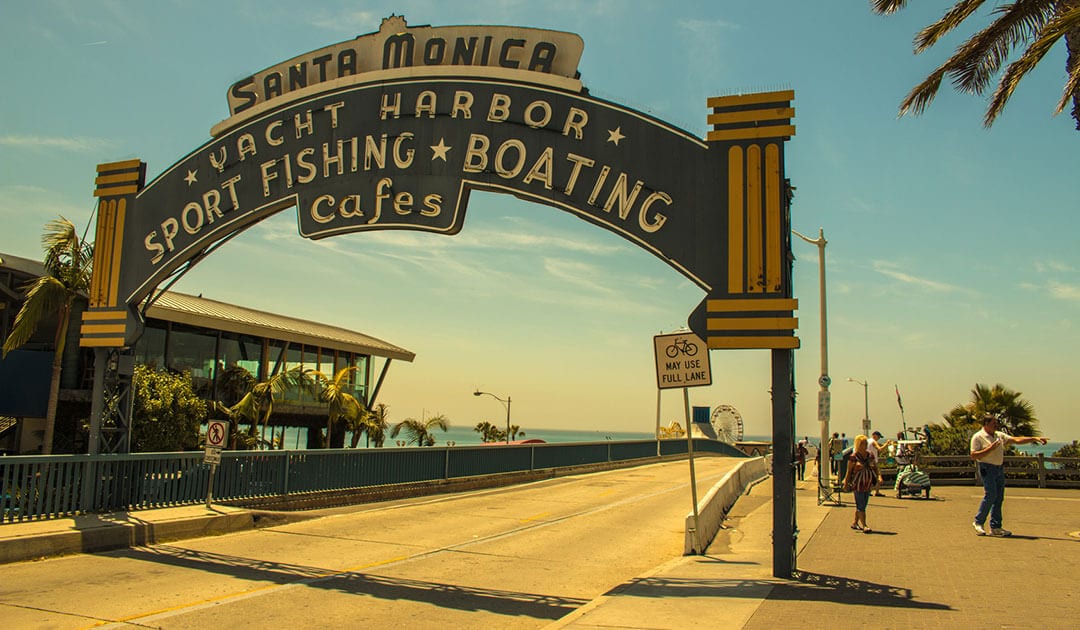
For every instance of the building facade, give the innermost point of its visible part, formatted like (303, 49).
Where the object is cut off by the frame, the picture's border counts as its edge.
(209, 339)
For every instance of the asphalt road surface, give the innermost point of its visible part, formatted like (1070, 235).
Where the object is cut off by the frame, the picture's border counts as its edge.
(518, 557)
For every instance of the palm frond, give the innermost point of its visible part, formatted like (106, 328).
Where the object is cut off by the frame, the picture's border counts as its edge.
(438, 420)
(1016, 71)
(887, 7)
(45, 297)
(923, 94)
(980, 58)
(1067, 26)
(953, 18)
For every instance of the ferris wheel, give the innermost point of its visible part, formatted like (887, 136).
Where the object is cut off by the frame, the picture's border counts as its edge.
(727, 423)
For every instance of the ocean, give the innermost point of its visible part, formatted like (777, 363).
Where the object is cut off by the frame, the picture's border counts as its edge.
(296, 437)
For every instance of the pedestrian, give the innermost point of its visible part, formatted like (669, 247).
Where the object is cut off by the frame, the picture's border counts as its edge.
(800, 460)
(988, 449)
(874, 445)
(859, 480)
(834, 454)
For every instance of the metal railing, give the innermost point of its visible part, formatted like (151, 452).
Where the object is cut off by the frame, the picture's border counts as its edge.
(1024, 470)
(56, 486)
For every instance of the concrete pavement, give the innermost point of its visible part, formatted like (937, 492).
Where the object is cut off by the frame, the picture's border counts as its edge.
(923, 567)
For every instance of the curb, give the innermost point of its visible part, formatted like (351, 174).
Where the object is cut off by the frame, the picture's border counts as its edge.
(105, 536)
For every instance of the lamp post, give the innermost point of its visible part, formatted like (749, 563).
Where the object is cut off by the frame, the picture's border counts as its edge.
(866, 404)
(506, 403)
(824, 402)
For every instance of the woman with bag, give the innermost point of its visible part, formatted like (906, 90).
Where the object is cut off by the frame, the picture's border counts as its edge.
(862, 472)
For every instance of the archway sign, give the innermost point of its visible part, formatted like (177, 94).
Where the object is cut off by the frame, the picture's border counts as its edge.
(394, 129)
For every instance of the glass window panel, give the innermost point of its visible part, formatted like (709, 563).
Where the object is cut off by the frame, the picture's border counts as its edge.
(192, 350)
(311, 362)
(293, 355)
(150, 348)
(237, 351)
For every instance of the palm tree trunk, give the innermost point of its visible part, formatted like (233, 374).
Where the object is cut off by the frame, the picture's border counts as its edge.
(54, 386)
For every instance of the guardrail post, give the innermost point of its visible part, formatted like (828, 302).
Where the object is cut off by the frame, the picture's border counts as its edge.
(285, 484)
(1042, 471)
(446, 464)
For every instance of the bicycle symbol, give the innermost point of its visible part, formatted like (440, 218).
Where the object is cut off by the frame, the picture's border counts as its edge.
(683, 346)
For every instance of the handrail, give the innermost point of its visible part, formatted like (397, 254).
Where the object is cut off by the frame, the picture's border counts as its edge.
(56, 486)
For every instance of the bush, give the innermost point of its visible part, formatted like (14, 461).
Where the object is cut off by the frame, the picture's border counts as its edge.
(167, 414)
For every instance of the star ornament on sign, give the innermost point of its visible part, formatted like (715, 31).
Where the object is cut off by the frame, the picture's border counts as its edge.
(614, 135)
(190, 177)
(439, 151)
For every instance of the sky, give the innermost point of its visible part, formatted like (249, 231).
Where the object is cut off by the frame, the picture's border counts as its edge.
(951, 256)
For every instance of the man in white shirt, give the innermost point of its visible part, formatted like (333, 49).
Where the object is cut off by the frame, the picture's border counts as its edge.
(988, 449)
(874, 445)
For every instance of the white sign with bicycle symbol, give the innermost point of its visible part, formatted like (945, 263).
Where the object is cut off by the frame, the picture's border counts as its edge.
(682, 360)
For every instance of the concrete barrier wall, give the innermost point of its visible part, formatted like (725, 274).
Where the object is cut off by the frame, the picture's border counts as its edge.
(715, 505)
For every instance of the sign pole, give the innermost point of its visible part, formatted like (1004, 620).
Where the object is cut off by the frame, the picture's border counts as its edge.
(693, 476)
(682, 361)
(210, 485)
(217, 432)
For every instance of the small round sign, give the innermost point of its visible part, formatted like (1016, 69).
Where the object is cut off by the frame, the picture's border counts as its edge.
(824, 381)
(216, 432)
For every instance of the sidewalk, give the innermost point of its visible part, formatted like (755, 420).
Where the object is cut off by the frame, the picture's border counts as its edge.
(923, 567)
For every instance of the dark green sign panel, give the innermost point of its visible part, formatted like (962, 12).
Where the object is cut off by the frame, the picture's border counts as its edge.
(404, 149)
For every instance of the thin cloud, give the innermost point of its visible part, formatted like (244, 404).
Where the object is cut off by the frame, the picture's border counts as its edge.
(79, 144)
(347, 21)
(1061, 291)
(889, 269)
(1053, 266)
(576, 273)
(706, 27)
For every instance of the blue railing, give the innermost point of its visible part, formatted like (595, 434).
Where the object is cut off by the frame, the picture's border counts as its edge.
(56, 486)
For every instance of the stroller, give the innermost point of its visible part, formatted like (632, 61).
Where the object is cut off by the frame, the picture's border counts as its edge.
(910, 481)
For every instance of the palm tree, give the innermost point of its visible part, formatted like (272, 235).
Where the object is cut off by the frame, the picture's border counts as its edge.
(420, 431)
(488, 432)
(68, 264)
(377, 424)
(1034, 25)
(1016, 415)
(515, 431)
(258, 403)
(340, 403)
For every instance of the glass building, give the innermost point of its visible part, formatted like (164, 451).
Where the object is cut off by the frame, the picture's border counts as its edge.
(185, 333)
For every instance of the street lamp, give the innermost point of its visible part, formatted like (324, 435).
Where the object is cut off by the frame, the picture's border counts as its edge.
(866, 404)
(506, 403)
(824, 380)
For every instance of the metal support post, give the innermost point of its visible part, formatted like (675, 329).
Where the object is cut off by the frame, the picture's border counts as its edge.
(783, 412)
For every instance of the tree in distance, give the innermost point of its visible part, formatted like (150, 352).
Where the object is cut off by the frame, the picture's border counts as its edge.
(419, 432)
(1016, 417)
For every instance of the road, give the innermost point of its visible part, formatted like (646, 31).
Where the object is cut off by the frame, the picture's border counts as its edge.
(517, 557)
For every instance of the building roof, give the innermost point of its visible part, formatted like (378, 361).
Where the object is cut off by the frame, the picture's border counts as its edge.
(198, 311)
(22, 265)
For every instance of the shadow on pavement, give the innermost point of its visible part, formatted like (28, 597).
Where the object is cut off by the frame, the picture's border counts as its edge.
(453, 596)
(842, 590)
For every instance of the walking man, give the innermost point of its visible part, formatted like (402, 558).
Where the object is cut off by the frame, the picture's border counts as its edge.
(988, 449)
